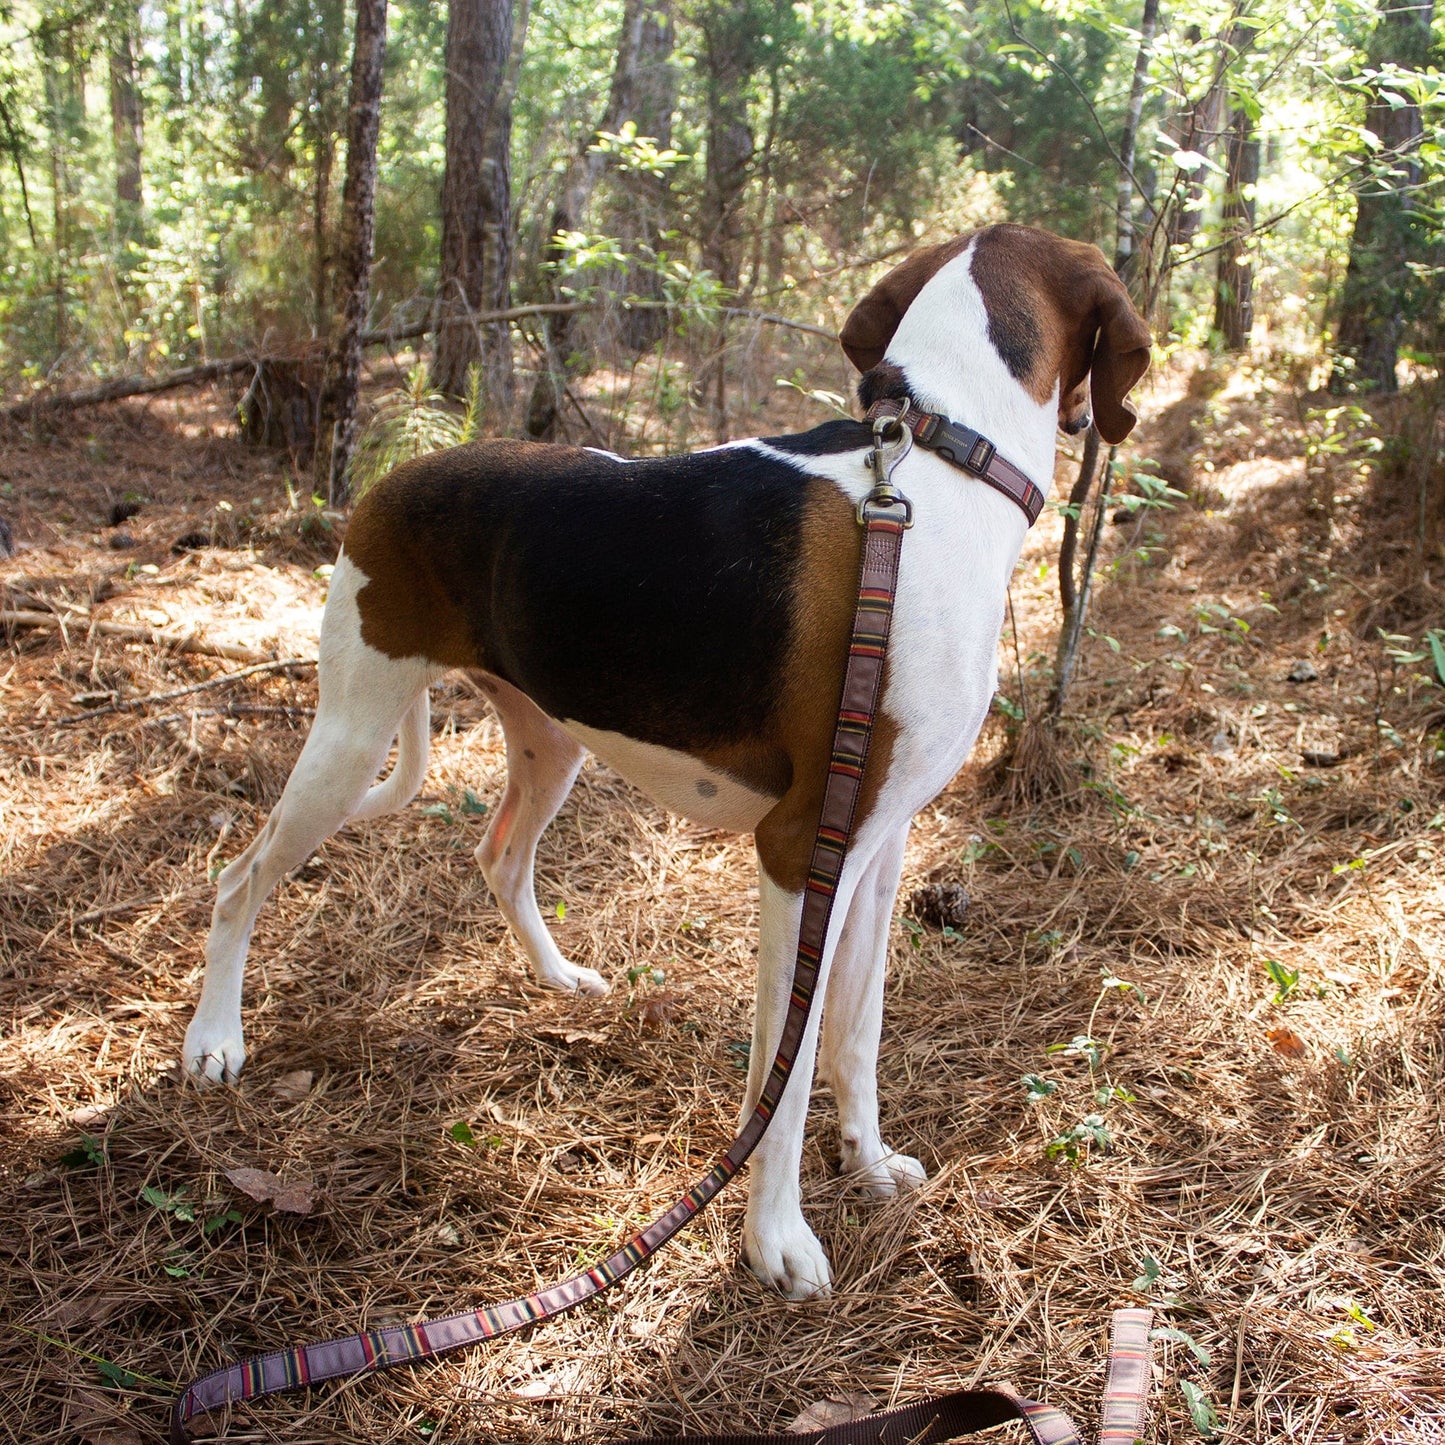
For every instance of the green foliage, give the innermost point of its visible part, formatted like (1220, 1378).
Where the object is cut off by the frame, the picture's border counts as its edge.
(410, 423)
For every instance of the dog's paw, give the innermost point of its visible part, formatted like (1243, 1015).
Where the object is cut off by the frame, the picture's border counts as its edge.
(789, 1259)
(214, 1052)
(569, 978)
(885, 1174)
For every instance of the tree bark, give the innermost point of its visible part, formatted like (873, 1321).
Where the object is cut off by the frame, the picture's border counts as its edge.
(125, 120)
(476, 261)
(583, 172)
(336, 426)
(1234, 279)
(731, 38)
(1126, 242)
(1377, 279)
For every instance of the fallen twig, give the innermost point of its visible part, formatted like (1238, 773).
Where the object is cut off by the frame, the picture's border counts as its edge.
(182, 641)
(128, 703)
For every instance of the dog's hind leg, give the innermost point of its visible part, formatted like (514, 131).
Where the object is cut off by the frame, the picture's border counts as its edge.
(364, 696)
(542, 764)
(853, 1022)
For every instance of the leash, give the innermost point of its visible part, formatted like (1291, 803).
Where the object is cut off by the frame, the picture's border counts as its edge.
(920, 1423)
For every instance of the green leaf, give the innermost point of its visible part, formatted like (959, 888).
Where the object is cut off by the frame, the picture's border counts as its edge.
(1181, 1337)
(561, 910)
(438, 810)
(1436, 639)
(115, 1375)
(1201, 1411)
(472, 805)
(461, 1131)
(1038, 1087)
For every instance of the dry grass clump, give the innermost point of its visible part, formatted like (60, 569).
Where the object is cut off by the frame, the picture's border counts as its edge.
(1227, 958)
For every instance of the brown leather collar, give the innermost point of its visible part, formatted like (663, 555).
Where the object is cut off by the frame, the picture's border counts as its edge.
(968, 450)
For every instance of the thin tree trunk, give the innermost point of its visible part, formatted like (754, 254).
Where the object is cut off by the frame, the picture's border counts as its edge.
(336, 427)
(584, 170)
(125, 121)
(1377, 279)
(730, 43)
(1126, 237)
(1073, 593)
(1234, 280)
(476, 261)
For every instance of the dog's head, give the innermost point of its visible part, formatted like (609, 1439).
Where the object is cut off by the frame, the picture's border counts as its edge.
(1057, 315)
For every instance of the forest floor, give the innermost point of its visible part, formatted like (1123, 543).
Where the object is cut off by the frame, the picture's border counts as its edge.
(1238, 898)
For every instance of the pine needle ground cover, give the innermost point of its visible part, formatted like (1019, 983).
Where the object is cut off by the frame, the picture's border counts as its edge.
(1184, 1047)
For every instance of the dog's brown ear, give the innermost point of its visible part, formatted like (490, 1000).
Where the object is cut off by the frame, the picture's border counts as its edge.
(872, 322)
(1121, 357)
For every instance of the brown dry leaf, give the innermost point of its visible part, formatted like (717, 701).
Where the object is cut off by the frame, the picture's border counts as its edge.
(293, 1086)
(288, 1196)
(111, 1435)
(1285, 1041)
(660, 1008)
(294, 1197)
(835, 1410)
(258, 1184)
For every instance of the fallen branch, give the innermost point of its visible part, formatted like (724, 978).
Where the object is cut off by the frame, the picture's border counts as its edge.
(127, 704)
(124, 386)
(128, 386)
(181, 641)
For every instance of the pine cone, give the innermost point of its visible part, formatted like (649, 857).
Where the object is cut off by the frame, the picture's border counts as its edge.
(940, 905)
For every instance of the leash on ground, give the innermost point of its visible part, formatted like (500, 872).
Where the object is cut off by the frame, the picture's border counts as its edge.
(885, 514)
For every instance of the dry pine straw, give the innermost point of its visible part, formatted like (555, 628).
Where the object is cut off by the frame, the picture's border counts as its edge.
(1280, 1162)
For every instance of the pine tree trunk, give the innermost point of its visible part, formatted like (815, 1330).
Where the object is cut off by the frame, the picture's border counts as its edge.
(125, 120)
(1373, 304)
(583, 172)
(476, 262)
(731, 36)
(639, 208)
(336, 425)
(1234, 280)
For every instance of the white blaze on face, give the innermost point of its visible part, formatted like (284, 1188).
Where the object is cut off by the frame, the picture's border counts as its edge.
(943, 347)
(677, 781)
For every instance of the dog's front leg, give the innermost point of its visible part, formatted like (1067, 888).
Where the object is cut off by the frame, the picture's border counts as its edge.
(777, 1243)
(853, 1022)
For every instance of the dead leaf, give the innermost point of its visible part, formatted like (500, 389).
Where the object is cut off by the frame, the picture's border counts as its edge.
(111, 1435)
(835, 1410)
(258, 1184)
(89, 1115)
(288, 1196)
(293, 1086)
(1285, 1041)
(294, 1197)
(660, 1008)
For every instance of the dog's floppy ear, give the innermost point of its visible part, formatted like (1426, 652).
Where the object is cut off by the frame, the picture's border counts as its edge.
(1121, 357)
(872, 322)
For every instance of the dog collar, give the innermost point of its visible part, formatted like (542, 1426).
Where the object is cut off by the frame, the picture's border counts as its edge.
(966, 449)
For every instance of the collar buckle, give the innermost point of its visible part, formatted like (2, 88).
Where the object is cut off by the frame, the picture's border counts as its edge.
(980, 456)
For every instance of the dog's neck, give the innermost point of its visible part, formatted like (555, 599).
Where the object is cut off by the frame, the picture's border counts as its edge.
(942, 360)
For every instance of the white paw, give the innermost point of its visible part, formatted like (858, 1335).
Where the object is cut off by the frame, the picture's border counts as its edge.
(214, 1052)
(788, 1257)
(586, 981)
(884, 1174)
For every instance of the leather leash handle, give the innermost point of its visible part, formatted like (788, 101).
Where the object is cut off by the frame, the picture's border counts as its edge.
(965, 1412)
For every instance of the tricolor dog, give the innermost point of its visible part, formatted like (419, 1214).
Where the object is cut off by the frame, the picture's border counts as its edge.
(686, 619)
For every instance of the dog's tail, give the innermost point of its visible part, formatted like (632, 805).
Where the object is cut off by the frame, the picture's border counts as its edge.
(403, 782)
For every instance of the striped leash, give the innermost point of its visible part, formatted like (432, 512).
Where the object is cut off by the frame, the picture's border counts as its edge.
(923, 1422)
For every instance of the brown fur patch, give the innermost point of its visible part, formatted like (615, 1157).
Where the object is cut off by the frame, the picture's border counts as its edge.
(832, 547)
(405, 611)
